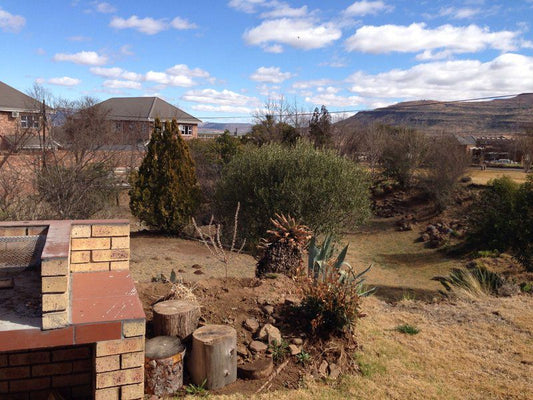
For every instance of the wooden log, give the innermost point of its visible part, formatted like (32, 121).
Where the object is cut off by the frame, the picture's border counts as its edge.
(163, 367)
(176, 318)
(213, 357)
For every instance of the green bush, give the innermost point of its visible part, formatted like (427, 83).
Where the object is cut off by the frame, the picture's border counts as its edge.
(164, 192)
(474, 281)
(318, 188)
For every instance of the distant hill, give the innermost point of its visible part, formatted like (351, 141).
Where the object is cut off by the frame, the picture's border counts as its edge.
(219, 127)
(495, 117)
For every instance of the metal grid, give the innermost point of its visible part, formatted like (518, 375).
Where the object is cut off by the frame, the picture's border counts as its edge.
(20, 251)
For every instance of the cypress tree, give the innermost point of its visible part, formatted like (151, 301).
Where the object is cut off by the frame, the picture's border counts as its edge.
(164, 193)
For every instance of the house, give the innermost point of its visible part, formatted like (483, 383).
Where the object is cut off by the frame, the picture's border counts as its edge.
(133, 118)
(19, 115)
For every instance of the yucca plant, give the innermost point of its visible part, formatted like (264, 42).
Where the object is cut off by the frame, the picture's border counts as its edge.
(283, 249)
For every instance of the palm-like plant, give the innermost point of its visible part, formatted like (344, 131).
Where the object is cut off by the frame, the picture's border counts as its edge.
(282, 250)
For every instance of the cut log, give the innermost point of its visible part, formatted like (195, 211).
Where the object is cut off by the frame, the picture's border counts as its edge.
(213, 357)
(163, 367)
(176, 318)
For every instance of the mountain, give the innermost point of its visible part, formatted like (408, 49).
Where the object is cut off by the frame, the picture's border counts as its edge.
(495, 117)
(218, 127)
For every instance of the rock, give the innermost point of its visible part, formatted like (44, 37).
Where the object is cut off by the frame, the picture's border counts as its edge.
(334, 371)
(251, 324)
(197, 266)
(297, 341)
(257, 346)
(425, 237)
(258, 369)
(242, 350)
(268, 309)
(323, 369)
(198, 272)
(269, 333)
(292, 301)
(294, 350)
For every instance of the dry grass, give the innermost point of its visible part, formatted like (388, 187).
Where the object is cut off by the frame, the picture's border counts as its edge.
(480, 177)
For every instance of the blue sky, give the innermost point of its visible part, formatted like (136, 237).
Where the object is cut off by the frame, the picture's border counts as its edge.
(225, 58)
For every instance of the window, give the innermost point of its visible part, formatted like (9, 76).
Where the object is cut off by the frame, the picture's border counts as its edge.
(29, 121)
(186, 129)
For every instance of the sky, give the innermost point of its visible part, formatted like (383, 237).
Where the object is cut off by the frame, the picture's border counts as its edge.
(221, 60)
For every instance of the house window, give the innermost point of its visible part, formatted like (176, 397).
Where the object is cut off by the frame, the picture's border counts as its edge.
(29, 121)
(186, 129)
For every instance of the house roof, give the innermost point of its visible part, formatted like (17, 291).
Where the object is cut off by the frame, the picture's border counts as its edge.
(466, 140)
(12, 99)
(31, 142)
(145, 108)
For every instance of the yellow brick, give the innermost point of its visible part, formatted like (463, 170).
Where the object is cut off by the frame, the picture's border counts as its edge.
(107, 394)
(134, 328)
(54, 266)
(90, 267)
(54, 284)
(119, 378)
(109, 363)
(111, 230)
(122, 242)
(132, 360)
(55, 302)
(119, 265)
(55, 320)
(77, 257)
(80, 231)
(119, 346)
(13, 231)
(132, 392)
(110, 255)
(36, 230)
(91, 244)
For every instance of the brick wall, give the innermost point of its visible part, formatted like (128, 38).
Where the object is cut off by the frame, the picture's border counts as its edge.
(119, 364)
(31, 375)
(99, 247)
(8, 124)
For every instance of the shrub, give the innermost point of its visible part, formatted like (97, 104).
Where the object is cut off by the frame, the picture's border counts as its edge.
(474, 281)
(331, 303)
(322, 190)
(407, 329)
(164, 192)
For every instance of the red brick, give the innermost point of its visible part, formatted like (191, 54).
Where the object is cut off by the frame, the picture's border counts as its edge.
(40, 395)
(71, 354)
(17, 396)
(14, 373)
(118, 378)
(71, 380)
(26, 385)
(51, 369)
(35, 338)
(4, 387)
(98, 332)
(3, 360)
(82, 365)
(36, 357)
(82, 392)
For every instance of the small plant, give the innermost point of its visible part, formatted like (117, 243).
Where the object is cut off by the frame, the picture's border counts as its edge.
(303, 358)
(197, 390)
(488, 253)
(279, 351)
(407, 329)
(473, 282)
(526, 287)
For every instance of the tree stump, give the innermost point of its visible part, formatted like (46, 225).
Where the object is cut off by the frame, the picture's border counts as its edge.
(176, 318)
(214, 356)
(163, 367)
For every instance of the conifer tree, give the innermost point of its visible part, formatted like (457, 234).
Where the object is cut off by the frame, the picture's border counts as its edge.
(320, 127)
(164, 192)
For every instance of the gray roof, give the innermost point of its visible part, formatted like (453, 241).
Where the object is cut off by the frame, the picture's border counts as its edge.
(145, 108)
(12, 99)
(466, 140)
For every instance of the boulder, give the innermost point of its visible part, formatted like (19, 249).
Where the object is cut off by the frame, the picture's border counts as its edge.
(270, 334)
(251, 324)
(257, 346)
(294, 350)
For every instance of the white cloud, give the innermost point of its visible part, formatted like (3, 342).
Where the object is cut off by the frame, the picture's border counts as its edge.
(104, 8)
(10, 22)
(169, 80)
(182, 69)
(299, 33)
(302, 85)
(362, 8)
(417, 37)
(247, 6)
(459, 13)
(444, 80)
(270, 75)
(64, 81)
(223, 109)
(119, 84)
(150, 26)
(285, 11)
(116, 72)
(224, 97)
(275, 48)
(83, 57)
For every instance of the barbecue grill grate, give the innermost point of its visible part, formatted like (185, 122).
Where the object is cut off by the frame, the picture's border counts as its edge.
(18, 252)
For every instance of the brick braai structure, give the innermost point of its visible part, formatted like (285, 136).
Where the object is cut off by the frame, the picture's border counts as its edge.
(89, 340)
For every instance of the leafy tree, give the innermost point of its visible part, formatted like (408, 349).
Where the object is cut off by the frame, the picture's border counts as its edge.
(523, 242)
(322, 190)
(164, 191)
(320, 127)
(226, 147)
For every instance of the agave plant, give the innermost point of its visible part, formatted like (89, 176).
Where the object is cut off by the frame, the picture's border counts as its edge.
(282, 250)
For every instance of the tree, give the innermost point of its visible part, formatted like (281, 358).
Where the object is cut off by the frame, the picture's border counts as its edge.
(320, 130)
(164, 191)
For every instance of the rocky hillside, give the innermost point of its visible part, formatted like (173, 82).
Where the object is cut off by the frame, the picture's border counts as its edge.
(495, 117)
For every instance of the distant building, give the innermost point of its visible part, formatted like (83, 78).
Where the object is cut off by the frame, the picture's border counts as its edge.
(134, 117)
